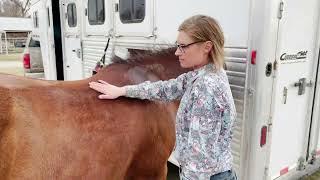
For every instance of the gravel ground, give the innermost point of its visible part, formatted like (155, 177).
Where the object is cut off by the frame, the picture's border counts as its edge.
(11, 67)
(314, 176)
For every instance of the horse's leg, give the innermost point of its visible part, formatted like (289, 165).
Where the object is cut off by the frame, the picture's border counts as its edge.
(163, 173)
(7, 149)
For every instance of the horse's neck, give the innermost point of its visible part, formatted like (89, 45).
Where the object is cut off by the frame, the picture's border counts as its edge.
(124, 74)
(138, 75)
(121, 74)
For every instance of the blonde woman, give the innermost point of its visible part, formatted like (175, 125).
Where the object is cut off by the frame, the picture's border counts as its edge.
(206, 113)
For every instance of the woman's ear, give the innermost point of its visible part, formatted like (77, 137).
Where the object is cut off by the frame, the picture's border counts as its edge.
(208, 46)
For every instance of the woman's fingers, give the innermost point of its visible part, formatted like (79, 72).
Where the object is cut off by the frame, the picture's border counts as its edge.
(104, 96)
(100, 82)
(98, 87)
(103, 82)
(94, 85)
(107, 90)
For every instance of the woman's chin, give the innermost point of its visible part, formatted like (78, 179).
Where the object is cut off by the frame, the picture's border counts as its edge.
(183, 65)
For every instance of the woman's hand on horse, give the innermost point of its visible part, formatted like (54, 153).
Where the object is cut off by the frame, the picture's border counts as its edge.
(108, 91)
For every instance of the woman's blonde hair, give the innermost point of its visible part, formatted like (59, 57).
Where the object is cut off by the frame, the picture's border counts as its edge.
(205, 28)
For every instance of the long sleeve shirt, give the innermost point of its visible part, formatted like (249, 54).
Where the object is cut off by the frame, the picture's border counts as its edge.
(204, 119)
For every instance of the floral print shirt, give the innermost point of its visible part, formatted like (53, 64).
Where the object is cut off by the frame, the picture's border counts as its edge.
(204, 119)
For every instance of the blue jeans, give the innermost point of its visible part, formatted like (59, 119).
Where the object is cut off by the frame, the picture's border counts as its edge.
(227, 175)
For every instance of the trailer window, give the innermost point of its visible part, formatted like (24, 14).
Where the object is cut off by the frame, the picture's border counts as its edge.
(132, 11)
(96, 12)
(34, 43)
(35, 19)
(72, 15)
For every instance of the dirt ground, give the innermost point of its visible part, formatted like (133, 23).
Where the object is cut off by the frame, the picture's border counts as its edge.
(11, 64)
(315, 176)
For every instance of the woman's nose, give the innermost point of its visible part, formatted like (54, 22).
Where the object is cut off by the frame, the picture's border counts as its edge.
(178, 52)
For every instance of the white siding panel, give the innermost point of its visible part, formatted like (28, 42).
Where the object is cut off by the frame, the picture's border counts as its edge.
(93, 50)
(236, 65)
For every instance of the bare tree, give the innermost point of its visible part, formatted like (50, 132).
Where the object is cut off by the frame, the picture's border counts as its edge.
(25, 6)
(14, 8)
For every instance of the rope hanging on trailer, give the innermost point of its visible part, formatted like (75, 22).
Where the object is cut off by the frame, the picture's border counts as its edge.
(102, 62)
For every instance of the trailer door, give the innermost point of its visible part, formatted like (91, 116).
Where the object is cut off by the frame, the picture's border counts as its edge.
(73, 67)
(293, 88)
(134, 18)
(50, 59)
(314, 139)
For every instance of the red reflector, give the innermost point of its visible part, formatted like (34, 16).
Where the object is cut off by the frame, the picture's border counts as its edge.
(284, 171)
(263, 137)
(253, 57)
(26, 61)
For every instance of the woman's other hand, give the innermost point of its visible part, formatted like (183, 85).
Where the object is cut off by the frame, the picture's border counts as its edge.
(108, 91)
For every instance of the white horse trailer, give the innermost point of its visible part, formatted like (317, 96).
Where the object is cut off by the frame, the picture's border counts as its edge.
(272, 59)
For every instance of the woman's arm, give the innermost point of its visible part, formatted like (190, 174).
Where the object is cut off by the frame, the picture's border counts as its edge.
(160, 90)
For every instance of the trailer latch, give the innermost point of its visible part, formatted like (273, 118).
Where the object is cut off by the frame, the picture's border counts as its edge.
(301, 84)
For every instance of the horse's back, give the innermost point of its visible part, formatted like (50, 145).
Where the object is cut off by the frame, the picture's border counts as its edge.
(15, 82)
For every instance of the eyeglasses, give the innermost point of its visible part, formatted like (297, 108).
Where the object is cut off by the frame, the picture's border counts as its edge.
(182, 47)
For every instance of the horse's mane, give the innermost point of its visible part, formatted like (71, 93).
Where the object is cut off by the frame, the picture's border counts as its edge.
(138, 57)
(142, 65)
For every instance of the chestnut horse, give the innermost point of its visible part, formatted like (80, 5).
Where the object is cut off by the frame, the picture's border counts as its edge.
(61, 130)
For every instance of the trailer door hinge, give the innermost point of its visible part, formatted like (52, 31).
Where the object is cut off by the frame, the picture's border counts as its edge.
(301, 164)
(313, 157)
(275, 65)
(268, 69)
(281, 7)
(269, 123)
(116, 7)
(266, 171)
